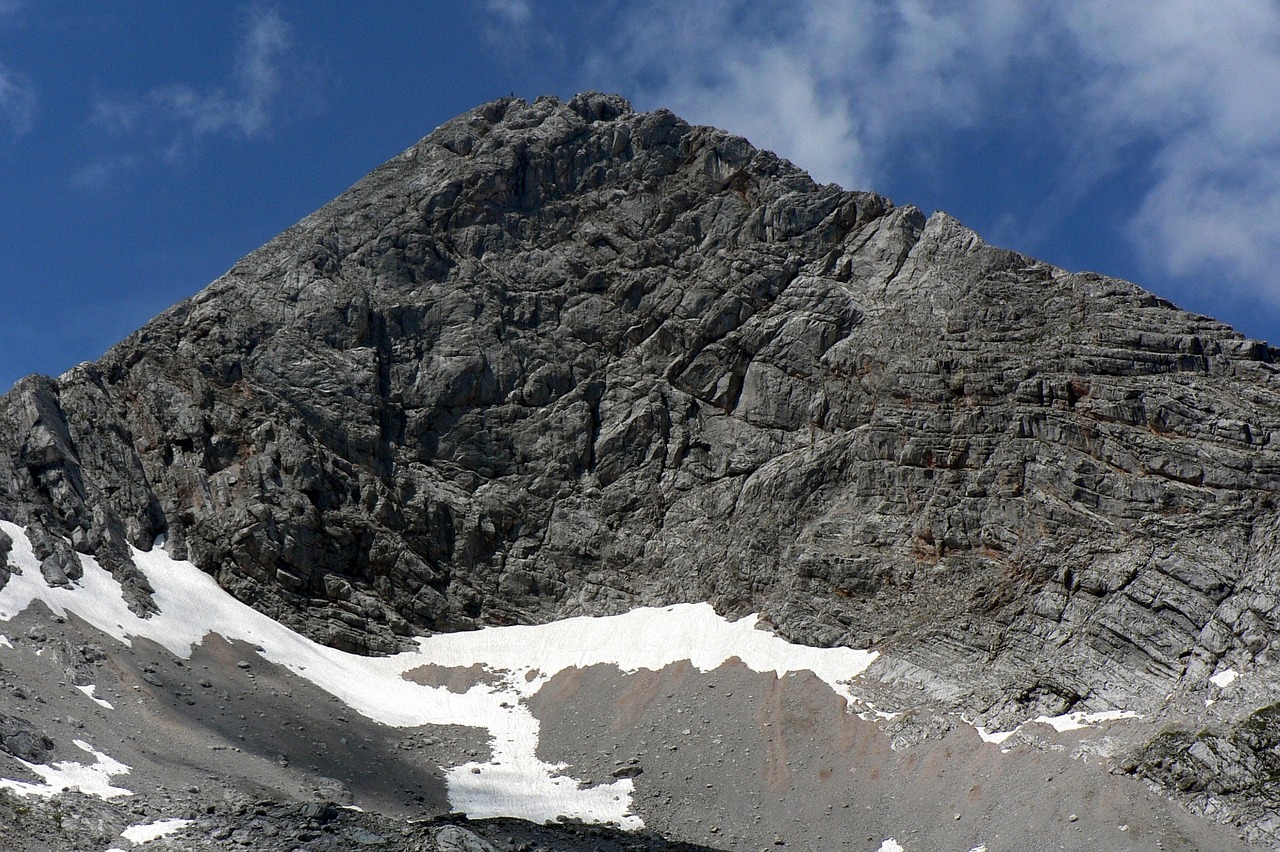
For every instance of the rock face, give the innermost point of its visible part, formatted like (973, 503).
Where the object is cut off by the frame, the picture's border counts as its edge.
(23, 740)
(566, 358)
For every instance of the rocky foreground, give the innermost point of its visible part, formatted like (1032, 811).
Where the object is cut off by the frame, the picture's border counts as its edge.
(223, 750)
(83, 823)
(567, 358)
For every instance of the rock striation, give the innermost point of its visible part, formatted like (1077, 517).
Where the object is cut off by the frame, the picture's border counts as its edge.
(568, 358)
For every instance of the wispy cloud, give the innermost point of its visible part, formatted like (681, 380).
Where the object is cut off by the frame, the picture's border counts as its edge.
(516, 31)
(17, 102)
(831, 84)
(1200, 84)
(510, 12)
(171, 120)
(852, 89)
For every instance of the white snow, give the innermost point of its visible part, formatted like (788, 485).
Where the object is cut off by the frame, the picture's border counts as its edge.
(1065, 722)
(890, 845)
(93, 779)
(88, 690)
(1076, 721)
(139, 834)
(996, 737)
(1223, 679)
(4, 641)
(872, 712)
(514, 782)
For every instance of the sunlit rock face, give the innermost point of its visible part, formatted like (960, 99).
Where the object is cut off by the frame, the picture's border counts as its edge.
(563, 359)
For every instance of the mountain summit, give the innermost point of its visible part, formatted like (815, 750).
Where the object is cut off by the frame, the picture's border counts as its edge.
(569, 359)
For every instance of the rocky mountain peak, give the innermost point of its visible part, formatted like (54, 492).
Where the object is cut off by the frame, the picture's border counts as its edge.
(565, 358)
(572, 359)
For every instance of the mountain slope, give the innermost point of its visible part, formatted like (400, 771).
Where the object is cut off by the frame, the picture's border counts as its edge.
(565, 358)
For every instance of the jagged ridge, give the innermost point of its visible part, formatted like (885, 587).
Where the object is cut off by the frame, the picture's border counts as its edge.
(563, 358)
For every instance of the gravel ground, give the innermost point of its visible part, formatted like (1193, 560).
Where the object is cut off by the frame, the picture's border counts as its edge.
(741, 760)
(730, 759)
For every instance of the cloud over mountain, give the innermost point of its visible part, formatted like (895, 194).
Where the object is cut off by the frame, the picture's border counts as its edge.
(1179, 96)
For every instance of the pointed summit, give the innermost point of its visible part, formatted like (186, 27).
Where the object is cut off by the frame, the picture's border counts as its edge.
(570, 358)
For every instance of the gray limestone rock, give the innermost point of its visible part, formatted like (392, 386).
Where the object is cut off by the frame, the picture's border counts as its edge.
(6, 545)
(24, 740)
(453, 838)
(58, 569)
(566, 358)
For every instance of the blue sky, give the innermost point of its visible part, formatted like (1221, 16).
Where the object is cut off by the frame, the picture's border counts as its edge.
(145, 147)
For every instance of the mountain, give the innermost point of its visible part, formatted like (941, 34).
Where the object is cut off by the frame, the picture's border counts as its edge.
(568, 361)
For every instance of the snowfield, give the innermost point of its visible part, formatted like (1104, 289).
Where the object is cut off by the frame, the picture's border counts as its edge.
(92, 779)
(89, 690)
(1074, 721)
(514, 782)
(139, 834)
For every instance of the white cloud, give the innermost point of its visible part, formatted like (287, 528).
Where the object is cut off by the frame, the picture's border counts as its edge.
(833, 85)
(852, 89)
(175, 117)
(1200, 84)
(773, 99)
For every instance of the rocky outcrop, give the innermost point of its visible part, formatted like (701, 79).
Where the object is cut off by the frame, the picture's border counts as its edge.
(563, 358)
(1227, 774)
(23, 740)
(39, 825)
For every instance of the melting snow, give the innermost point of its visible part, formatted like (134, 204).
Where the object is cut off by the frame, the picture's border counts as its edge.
(1224, 679)
(88, 690)
(1076, 721)
(514, 782)
(92, 780)
(138, 834)
(1065, 722)
(873, 713)
(997, 737)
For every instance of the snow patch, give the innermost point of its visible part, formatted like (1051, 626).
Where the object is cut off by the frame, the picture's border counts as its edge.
(996, 737)
(91, 779)
(1223, 679)
(872, 713)
(88, 690)
(514, 782)
(1065, 722)
(890, 845)
(1076, 721)
(139, 834)
(4, 641)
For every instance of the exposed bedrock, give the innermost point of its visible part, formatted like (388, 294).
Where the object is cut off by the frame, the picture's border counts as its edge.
(566, 358)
